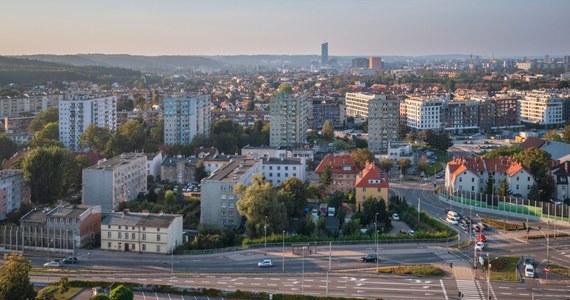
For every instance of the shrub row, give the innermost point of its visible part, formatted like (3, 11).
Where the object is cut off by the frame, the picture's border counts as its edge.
(423, 270)
(564, 271)
(550, 235)
(503, 225)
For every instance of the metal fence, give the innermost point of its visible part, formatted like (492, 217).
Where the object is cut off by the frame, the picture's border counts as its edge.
(30, 238)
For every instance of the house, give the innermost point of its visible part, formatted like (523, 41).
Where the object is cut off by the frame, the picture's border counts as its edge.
(561, 174)
(371, 183)
(472, 174)
(141, 232)
(343, 172)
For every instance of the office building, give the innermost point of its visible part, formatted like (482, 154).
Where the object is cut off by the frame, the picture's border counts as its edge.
(184, 118)
(375, 64)
(141, 232)
(76, 114)
(383, 123)
(324, 53)
(13, 191)
(218, 200)
(288, 120)
(542, 108)
(112, 181)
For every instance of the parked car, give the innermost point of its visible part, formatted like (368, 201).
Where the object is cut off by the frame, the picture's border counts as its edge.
(451, 221)
(529, 261)
(438, 176)
(529, 271)
(98, 290)
(481, 237)
(479, 246)
(70, 260)
(395, 217)
(483, 225)
(265, 263)
(53, 264)
(369, 258)
(411, 232)
(463, 226)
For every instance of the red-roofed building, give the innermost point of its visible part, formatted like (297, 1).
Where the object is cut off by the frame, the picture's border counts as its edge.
(343, 171)
(371, 183)
(471, 174)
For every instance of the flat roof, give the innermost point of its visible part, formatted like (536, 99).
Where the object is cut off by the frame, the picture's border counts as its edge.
(117, 161)
(140, 219)
(235, 168)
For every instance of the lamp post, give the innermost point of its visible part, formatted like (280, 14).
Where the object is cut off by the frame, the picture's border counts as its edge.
(303, 272)
(489, 275)
(419, 202)
(547, 248)
(265, 235)
(376, 236)
(48, 250)
(172, 260)
(283, 255)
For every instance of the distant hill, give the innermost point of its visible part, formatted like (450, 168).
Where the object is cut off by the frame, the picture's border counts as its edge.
(25, 71)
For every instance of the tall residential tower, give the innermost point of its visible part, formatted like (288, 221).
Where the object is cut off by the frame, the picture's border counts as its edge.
(287, 119)
(184, 118)
(324, 53)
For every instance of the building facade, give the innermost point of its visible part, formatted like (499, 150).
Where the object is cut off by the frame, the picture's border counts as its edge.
(375, 64)
(218, 200)
(422, 113)
(184, 118)
(324, 53)
(357, 104)
(360, 63)
(76, 114)
(141, 232)
(277, 170)
(288, 120)
(13, 191)
(383, 123)
(321, 109)
(29, 104)
(109, 182)
(343, 171)
(178, 169)
(542, 108)
(371, 183)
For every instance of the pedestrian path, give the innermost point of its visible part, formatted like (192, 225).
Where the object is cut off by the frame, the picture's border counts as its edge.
(470, 289)
(463, 275)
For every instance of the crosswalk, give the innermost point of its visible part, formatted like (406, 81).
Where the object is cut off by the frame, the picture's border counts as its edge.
(470, 289)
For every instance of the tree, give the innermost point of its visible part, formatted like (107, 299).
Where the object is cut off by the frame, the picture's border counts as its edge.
(7, 147)
(44, 173)
(121, 293)
(170, 198)
(284, 88)
(326, 176)
(49, 132)
(260, 200)
(503, 152)
(566, 134)
(425, 135)
(328, 130)
(361, 156)
(134, 135)
(503, 189)
(43, 118)
(14, 278)
(95, 138)
(297, 191)
(536, 161)
(157, 132)
(552, 135)
(404, 164)
(411, 137)
(200, 171)
(370, 207)
(423, 165)
(385, 164)
(63, 285)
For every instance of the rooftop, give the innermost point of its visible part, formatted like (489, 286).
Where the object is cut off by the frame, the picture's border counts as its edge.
(5, 174)
(117, 161)
(142, 219)
(233, 170)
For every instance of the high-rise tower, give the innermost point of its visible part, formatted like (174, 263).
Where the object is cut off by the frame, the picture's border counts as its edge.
(324, 53)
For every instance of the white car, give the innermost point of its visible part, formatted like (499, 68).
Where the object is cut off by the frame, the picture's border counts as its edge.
(529, 271)
(479, 246)
(411, 232)
(52, 264)
(265, 263)
(395, 217)
(451, 221)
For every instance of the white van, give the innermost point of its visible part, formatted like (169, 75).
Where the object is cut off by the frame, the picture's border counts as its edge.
(529, 271)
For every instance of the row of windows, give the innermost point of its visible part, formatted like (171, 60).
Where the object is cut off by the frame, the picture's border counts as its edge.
(133, 236)
(279, 168)
(127, 227)
(132, 247)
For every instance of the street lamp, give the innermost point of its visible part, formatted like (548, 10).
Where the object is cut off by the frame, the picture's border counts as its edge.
(419, 201)
(172, 259)
(48, 250)
(376, 232)
(489, 275)
(283, 261)
(547, 248)
(265, 234)
(303, 272)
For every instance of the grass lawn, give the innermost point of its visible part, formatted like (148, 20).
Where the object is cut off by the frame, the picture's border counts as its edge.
(52, 290)
(462, 245)
(504, 268)
(423, 270)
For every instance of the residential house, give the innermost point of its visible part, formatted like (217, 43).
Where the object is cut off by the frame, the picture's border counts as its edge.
(343, 172)
(371, 183)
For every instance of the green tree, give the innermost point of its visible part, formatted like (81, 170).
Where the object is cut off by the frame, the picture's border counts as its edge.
(326, 176)
(7, 147)
(411, 137)
(328, 130)
(361, 156)
(552, 135)
(157, 132)
(404, 164)
(385, 165)
(536, 161)
(14, 278)
(44, 173)
(43, 118)
(49, 132)
(133, 134)
(370, 207)
(297, 191)
(63, 285)
(284, 88)
(490, 185)
(566, 134)
(170, 198)
(200, 171)
(503, 152)
(122, 293)
(534, 193)
(95, 138)
(260, 200)
(503, 189)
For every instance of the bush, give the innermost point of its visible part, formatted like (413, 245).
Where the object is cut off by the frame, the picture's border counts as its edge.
(503, 225)
(422, 270)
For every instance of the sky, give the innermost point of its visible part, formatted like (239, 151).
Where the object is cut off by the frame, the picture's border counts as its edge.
(291, 27)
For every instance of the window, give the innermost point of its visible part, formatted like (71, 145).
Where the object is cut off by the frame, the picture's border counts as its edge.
(158, 229)
(120, 235)
(108, 234)
(144, 236)
(158, 248)
(143, 247)
(472, 179)
(144, 228)
(158, 237)
(108, 245)
(460, 179)
(132, 246)
(517, 186)
(133, 236)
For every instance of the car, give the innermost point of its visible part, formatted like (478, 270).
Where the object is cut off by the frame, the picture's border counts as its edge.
(98, 291)
(529, 271)
(481, 237)
(70, 260)
(463, 226)
(438, 176)
(476, 228)
(411, 232)
(265, 263)
(315, 212)
(479, 246)
(369, 258)
(529, 261)
(53, 264)
(395, 217)
(483, 225)
(451, 221)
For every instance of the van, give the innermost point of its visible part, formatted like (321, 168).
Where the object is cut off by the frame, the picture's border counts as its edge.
(529, 271)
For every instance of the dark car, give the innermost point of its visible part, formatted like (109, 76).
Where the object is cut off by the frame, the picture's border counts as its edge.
(369, 258)
(70, 260)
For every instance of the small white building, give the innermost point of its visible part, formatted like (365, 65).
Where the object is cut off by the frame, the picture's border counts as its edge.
(141, 232)
(13, 191)
(277, 170)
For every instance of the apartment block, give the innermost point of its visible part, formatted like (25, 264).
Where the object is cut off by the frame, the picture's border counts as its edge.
(28, 104)
(76, 114)
(277, 170)
(109, 182)
(371, 183)
(141, 232)
(357, 104)
(460, 116)
(186, 117)
(178, 168)
(321, 109)
(383, 123)
(343, 170)
(422, 113)
(13, 191)
(542, 108)
(288, 120)
(218, 200)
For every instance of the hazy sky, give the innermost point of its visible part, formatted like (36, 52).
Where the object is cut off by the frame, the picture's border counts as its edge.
(228, 27)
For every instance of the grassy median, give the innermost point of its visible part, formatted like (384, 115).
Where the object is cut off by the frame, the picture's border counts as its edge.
(421, 270)
(504, 268)
(560, 270)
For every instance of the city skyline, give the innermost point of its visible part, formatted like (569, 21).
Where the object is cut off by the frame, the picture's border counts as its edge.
(352, 28)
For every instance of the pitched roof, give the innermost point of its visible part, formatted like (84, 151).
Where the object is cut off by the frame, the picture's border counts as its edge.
(531, 142)
(477, 164)
(339, 164)
(371, 176)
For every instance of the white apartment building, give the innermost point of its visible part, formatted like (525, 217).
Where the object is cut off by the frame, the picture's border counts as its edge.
(112, 181)
(357, 104)
(141, 232)
(13, 191)
(29, 104)
(217, 199)
(277, 170)
(288, 120)
(422, 113)
(541, 107)
(383, 123)
(184, 118)
(76, 114)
